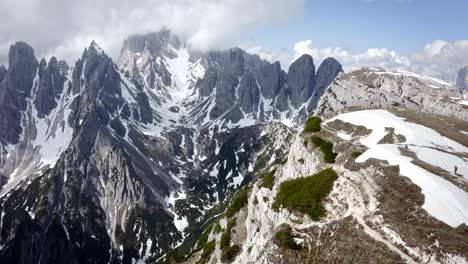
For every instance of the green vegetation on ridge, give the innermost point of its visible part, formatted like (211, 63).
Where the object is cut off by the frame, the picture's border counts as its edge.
(306, 194)
(228, 252)
(268, 179)
(312, 124)
(284, 237)
(239, 200)
(326, 147)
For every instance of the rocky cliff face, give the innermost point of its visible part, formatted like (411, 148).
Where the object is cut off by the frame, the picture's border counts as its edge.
(377, 88)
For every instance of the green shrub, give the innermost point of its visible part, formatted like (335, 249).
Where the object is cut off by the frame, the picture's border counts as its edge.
(326, 147)
(356, 154)
(284, 238)
(301, 161)
(229, 254)
(225, 239)
(226, 236)
(255, 200)
(306, 194)
(268, 179)
(231, 224)
(217, 228)
(284, 161)
(238, 201)
(208, 249)
(204, 237)
(328, 155)
(312, 124)
(317, 141)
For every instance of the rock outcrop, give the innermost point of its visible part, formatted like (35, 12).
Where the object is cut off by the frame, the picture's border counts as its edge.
(370, 88)
(462, 78)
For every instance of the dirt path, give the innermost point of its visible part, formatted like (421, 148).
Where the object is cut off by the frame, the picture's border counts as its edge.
(357, 209)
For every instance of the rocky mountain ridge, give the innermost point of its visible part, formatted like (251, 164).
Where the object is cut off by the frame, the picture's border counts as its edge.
(125, 162)
(131, 160)
(377, 88)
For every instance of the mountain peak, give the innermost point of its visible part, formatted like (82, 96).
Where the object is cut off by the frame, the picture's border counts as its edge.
(303, 59)
(21, 52)
(93, 49)
(155, 42)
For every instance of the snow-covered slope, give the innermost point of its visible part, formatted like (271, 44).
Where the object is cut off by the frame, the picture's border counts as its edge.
(443, 199)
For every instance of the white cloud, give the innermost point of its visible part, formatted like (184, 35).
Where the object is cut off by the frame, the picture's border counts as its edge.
(64, 28)
(439, 59)
(375, 57)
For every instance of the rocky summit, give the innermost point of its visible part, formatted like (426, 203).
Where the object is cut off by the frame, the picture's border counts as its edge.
(172, 155)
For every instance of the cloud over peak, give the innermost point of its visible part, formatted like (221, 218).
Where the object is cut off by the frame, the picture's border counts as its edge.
(64, 28)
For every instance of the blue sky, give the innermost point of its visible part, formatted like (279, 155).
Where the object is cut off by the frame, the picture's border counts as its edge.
(401, 25)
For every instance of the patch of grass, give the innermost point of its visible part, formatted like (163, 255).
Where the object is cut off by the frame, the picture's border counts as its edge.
(204, 237)
(284, 161)
(326, 147)
(312, 124)
(327, 150)
(317, 141)
(268, 179)
(226, 236)
(217, 228)
(301, 161)
(239, 200)
(356, 154)
(225, 240)
(231, 224)
(284, 238)
(229, 254)
(207, 250)
(265, 199)
(306, 194)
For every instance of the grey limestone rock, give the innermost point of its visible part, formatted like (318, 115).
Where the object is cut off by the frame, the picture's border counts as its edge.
(462, 78)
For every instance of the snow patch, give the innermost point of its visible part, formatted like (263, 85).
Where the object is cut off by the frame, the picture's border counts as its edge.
(443, 200)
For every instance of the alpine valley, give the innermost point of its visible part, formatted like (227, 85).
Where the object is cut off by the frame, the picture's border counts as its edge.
(172, 155)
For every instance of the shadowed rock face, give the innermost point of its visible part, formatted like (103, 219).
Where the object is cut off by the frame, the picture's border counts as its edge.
(264, 89)
(326, 73)
(15, 89)
(52, 77)
(3, 72)
(462, 78)
(135, 160)
(301, 80)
